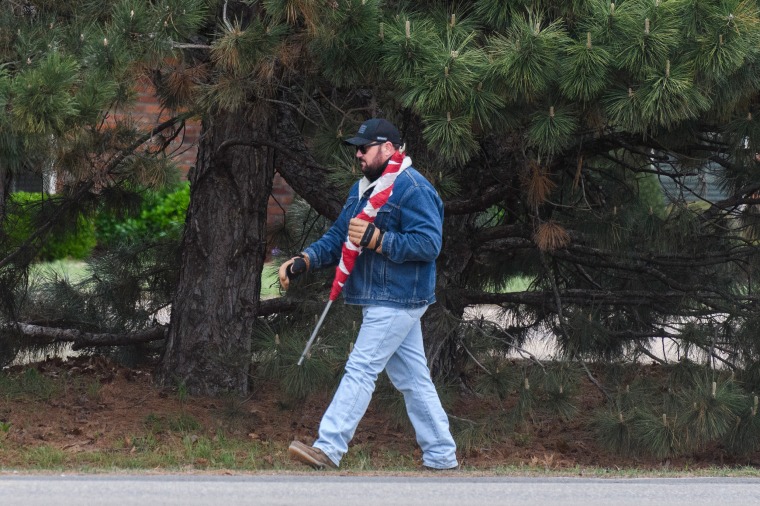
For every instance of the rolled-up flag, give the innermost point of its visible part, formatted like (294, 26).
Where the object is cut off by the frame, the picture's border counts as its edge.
(380, 194)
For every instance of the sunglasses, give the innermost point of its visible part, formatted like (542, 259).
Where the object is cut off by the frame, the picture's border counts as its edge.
(363, 149)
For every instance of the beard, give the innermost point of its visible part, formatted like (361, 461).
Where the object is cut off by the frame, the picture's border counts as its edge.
(374, 172)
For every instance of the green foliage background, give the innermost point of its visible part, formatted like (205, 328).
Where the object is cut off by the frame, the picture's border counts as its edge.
(161, 214)
(76, 242)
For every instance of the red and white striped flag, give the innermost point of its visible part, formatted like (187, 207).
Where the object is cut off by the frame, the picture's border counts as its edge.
(380, 194)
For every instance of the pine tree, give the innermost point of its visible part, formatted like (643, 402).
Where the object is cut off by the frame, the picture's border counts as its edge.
(547, 127)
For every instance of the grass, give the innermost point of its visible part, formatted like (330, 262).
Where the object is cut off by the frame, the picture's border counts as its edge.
(29, 385)
(76, 270)
(270, 282)
(518, 284)
(73, 270)
(161, 448)
(204, 454)
(148, 452)
(171, 437)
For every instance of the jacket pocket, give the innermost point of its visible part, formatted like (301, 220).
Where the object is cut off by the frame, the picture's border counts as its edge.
(388, 217)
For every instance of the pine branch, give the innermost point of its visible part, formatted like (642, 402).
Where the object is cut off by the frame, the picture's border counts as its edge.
(255, 143)
(650, 266)
(181, 45)
(649, 354)
(735, 200)
(121, 155)
(268, 307)
(599, 259)
(43, 230)
(506, 244)
(517, 238)
(485, 198)
(84, 189)
(473, 324)
(546, 299)
(489, 234)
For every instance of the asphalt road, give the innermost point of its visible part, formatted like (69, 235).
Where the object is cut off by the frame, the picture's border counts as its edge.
(327, 490)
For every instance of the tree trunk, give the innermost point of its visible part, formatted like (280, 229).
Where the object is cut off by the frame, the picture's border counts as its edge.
(299, 169)
(5, 190)
(208, 346)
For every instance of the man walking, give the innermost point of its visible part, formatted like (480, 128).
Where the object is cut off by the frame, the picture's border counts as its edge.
(393, 279)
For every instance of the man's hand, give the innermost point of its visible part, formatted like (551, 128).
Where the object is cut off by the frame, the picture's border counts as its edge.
(365, 234)
(292, 269)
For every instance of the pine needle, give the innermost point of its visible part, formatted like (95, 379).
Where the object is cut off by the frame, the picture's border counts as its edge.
(538, 184)
(550, 236)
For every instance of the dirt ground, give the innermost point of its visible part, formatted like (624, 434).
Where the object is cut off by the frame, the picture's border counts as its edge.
(99, 406)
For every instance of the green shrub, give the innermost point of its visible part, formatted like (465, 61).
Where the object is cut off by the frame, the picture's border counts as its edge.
(162, 214)
(77, 242)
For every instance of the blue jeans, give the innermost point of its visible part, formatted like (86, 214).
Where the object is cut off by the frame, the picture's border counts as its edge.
(390, 339)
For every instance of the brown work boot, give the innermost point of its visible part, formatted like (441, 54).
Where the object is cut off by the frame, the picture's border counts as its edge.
(437, 469)
(310, 455)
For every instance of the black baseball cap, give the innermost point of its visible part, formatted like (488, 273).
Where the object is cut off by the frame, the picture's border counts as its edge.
(375, 130)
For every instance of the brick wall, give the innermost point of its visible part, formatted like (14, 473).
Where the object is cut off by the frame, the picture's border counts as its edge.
(147, 112)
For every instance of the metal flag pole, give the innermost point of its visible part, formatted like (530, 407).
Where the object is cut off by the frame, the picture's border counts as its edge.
(314, 334)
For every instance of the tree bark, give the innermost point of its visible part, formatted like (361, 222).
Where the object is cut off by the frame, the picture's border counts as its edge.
(5, 190)
(301, 172)
(208, 346)
(440, 323)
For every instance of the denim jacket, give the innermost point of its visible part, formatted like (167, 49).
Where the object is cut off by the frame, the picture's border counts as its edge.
(403, 275)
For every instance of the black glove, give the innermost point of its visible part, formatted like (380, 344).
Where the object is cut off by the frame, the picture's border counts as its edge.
(297, 268)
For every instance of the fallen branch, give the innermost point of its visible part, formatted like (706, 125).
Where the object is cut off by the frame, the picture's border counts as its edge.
(82, 339)
(595, 381)
(649, 354)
